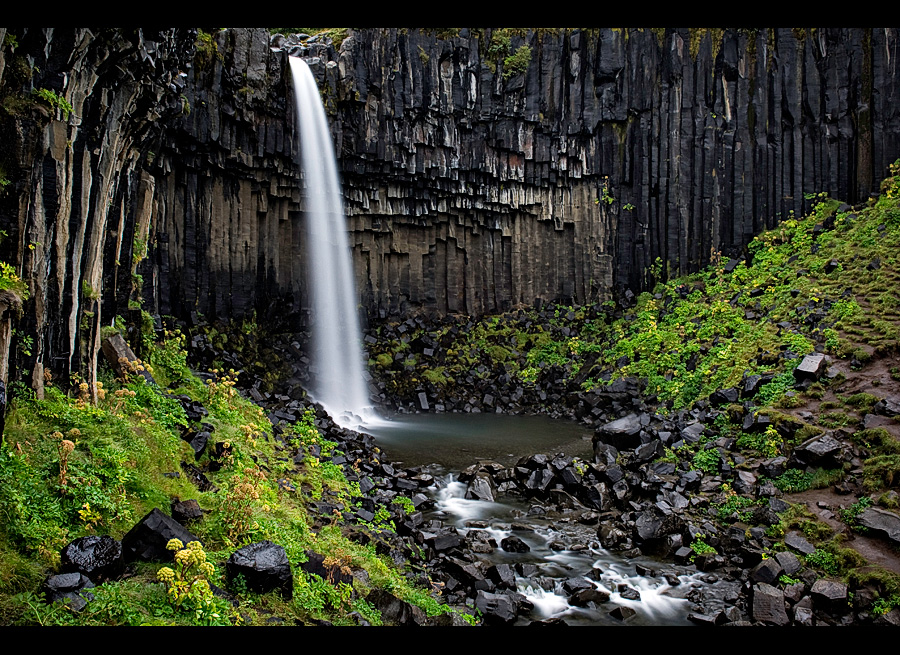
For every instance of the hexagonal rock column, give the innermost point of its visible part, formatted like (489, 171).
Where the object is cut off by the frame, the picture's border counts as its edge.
(147, 540)
(264, 567)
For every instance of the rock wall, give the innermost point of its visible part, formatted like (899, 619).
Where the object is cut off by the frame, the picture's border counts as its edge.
(614, 148)
(471, 184)
(78, 112)
(472, 190)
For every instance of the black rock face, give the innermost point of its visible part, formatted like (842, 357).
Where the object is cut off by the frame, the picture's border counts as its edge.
(636, 157)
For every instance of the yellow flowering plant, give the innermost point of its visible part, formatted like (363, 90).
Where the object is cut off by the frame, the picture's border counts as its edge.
(187, 585)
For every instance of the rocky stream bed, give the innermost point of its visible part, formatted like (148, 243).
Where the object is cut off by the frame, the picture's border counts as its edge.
(626, 535)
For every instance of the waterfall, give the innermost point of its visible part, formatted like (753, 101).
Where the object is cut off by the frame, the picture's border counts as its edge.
(338, 382)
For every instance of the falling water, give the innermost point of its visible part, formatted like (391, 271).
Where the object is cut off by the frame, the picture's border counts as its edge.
(338, 382)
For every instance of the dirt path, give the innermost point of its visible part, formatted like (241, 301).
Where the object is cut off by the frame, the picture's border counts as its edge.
(826, 504)
(875, 379)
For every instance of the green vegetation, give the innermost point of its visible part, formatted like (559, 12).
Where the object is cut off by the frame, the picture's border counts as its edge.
(707, 460)
(706, 331)
(735, 504)
(517, 62)
(69, 467)
(850, 514)
(54, 101)
(700, 547)
(206, 53)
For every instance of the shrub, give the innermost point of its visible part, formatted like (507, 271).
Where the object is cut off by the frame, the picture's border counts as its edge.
(707, 460)
(54, 100)
(517, 63)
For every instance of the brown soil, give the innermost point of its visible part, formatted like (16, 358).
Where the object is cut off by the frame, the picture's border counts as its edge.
(825, 504)
(875, 379)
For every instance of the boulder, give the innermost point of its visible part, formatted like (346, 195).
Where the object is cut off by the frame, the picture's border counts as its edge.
(121, 357)
(829, 595)
(395, 611)
(502, 575)
(583, 597)
(789, 562)
(822, 450)
(768, 605)
(443, 539)
(881, 522)
(623, 433)
(811, 368)
(97, 557)
(512, 544)
(497, 609)
(796, 541)
(481, 487)
(724, 397)
(264, 567)
(887, 407)
(185, 511)
(70, 589)
(147, 540)
(622, 613)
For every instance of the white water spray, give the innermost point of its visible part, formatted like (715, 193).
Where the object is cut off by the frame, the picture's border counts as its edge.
(338, 382)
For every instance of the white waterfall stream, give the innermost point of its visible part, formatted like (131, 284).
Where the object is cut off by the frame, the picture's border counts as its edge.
(338, 382)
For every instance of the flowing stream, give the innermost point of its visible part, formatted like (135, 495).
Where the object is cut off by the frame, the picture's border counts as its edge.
(563, 552)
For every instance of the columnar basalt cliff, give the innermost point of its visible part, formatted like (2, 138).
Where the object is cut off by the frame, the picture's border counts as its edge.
(481, 168)
(470, 189)
(79, 112)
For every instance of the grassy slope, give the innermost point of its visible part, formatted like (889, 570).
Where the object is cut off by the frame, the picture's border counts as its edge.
(122, 456)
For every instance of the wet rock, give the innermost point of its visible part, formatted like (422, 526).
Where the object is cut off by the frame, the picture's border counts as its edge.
(147, 540)
(264, 567)
(502, 575)
(69, 588)
(97, 557)
(596, 496)
(512, 544)
(623, 433)
(622, 613)
(881, 522)
(497, 609)
(583, 597)
(481, 487)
